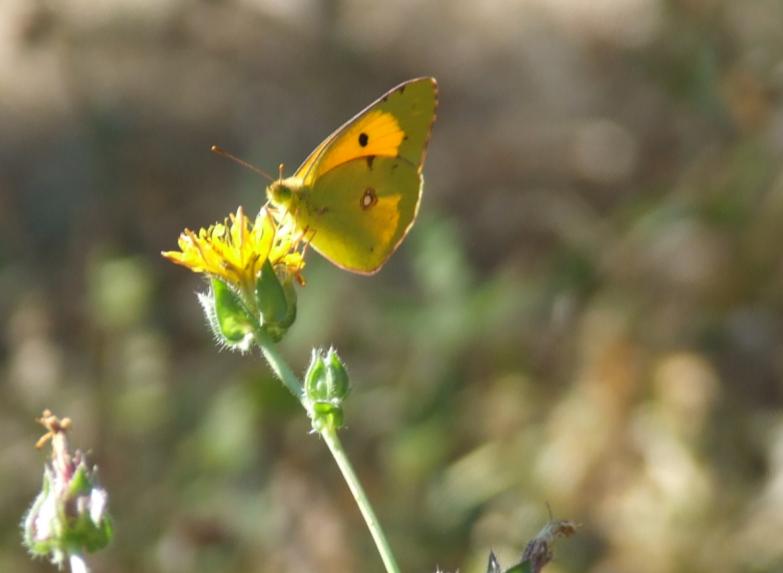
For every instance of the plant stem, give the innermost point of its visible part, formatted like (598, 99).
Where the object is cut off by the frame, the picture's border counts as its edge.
(338, 453)
(289, 379)
(77, 563)
(278, 365)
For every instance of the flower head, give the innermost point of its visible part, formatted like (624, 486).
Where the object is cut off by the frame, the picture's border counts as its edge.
(251, 267)
(236, 250)
(69, 516)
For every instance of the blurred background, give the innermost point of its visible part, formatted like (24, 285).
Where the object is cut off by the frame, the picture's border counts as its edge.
(587, 313)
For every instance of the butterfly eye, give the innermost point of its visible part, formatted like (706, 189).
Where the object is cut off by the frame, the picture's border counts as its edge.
(279, 194)
(369, 198)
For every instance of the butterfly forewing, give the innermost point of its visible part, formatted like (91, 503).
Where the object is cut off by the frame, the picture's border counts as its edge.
(358, 193)
(397, 124)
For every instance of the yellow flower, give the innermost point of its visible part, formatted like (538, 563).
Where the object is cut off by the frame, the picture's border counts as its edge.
(236, 250)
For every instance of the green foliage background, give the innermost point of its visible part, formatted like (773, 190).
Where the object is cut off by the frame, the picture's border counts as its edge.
(588, 312)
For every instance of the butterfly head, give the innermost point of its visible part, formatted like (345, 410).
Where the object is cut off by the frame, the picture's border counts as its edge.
(283, 192)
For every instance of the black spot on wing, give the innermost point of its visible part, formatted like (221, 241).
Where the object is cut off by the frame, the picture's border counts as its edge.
(364, 139)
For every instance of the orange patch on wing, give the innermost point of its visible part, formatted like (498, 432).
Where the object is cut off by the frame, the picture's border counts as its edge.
(386, 217)
(377, 133)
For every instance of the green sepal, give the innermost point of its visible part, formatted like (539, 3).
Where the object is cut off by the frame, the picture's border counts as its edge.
(270, 296)
(524, 567)
(230, 319)
(276, 301)
(315, 378)
(326, 415)
(38, 547)
(83, 532)
(80, 482)
(493, 565)
(290, 299)
(337, 382)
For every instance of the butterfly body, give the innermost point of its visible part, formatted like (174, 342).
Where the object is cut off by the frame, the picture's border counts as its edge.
(356, 196)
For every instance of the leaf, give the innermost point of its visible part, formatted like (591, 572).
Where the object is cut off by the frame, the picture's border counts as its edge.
(493, 566)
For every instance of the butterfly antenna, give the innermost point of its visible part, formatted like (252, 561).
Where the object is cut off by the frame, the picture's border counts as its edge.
(220, 151)
(280, 169)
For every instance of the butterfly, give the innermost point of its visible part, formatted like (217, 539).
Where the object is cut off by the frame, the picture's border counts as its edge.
(356, 196)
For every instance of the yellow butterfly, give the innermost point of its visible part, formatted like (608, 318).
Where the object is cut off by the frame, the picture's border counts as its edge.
(356, 196)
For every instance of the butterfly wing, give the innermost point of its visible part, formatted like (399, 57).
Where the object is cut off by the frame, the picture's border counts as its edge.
(360, 211)
(398, 124)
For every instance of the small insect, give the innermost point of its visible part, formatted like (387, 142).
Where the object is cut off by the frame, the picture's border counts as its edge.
(357, 194)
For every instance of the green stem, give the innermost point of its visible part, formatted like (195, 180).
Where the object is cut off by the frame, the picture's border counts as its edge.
(338, 453)
(289, 379)
(279, 366)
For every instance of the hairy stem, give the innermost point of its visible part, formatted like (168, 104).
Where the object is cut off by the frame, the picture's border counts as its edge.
(77, 563)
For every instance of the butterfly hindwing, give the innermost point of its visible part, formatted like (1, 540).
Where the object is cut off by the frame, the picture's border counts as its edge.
(357, 213)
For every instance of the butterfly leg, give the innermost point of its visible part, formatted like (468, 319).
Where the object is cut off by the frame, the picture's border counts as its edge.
(307, 241)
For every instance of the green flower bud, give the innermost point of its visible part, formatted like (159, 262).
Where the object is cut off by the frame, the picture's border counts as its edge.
(276, 300)
(326, 386)
(227, 315)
